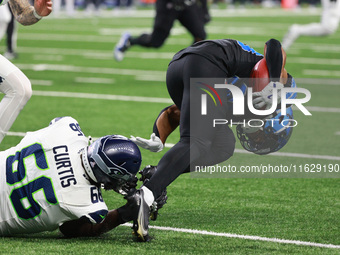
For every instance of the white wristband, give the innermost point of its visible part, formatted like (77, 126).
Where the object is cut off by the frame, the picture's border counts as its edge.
(36, 14)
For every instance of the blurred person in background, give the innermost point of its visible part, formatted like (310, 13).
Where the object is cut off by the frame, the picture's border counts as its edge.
(11, 38)
(92, 7)
(328, 25)
(192, 14)
(69, 7)
(5, 18)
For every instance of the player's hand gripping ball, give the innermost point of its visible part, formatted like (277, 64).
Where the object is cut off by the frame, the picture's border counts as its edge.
(263, 88)
(259, 76)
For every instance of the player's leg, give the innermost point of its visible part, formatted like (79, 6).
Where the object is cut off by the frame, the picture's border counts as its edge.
(12, 34)
(330, 19)
(17, 89)
(5, 17)
(203, 5)
(70, 7)
(163, 23)
(192, 20)
(195, 142)
(190, 146)
(328, 25)
(222, 148)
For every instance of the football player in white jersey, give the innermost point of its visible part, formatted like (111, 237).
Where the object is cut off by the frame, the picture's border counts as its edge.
(329, 23)
(53, 178)
(13, 83)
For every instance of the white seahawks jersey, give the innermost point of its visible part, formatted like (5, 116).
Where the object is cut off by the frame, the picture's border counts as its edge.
(43, 183)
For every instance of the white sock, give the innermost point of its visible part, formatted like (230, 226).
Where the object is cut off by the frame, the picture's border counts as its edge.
(148, 196)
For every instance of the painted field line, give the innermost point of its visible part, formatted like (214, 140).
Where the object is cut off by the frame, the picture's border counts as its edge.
(283, 154)
(222, 13)
(246, 237)
(295, 155)
(102, 96)
(280, 154)
(323, 109)
(318, 81)
(144, 99)
(316, 61)
(96, 70)
(95, 80)
(325, 73)
(45, 53)
(42, 82)
(20, 134)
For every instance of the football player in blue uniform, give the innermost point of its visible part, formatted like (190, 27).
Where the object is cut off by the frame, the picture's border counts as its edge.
(200, 143)
(52, 179)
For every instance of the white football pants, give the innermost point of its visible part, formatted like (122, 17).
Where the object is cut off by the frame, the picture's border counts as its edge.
(17, 89)
(328, 24)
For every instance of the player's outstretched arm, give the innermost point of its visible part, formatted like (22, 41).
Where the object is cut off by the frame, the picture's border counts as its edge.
(27, 14)
(166, 122)
(83, 227)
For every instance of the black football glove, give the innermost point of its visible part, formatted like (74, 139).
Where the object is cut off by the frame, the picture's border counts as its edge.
(127, 186)
(146, 174)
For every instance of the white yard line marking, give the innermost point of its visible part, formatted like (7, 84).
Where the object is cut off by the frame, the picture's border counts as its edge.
(323, 109)
(317, 81)
(246, 237)
(283, 154)
(315, 61)
(42, 82)
(94, 80)
(325, 73)
(222, 13)
(96, 70)
(48, 57)
(295, 155)
(150, 54)
(20, 134)
(102, 96)
(145, 99)
(280, 154)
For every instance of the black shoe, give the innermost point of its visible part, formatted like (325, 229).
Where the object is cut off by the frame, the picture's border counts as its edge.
(141, 214)
(146, 174)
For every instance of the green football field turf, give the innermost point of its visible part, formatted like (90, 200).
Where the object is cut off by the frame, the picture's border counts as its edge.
(73, 73)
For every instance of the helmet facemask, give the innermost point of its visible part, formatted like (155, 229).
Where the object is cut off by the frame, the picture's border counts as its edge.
(274, 134)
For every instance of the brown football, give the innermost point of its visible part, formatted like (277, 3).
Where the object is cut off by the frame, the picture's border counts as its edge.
(259, 76)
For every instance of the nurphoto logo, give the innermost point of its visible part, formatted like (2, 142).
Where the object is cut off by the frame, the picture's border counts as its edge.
(238, 100)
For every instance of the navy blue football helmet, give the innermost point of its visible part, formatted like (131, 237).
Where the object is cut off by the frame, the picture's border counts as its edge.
(113, 161)
(274, 134)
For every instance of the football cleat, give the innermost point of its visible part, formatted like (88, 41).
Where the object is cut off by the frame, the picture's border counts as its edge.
(122, 46)
(146, 174)
(140, 214)
(10, 55)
